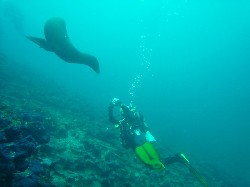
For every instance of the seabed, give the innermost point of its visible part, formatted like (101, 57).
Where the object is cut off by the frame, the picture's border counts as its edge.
(50, 137)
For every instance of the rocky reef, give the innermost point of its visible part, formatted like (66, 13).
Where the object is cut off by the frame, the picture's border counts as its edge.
(20, 136)
(45, 142)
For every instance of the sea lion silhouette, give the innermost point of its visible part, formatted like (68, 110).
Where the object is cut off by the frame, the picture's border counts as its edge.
(57, 41)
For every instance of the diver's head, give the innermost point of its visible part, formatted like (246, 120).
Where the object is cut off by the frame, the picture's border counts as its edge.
(128, 112)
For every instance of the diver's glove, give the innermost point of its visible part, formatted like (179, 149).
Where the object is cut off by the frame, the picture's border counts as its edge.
(116, 102)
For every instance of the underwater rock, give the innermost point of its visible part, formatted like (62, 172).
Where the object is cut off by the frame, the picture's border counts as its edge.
(39, 133)
(13, 155)
(13, 133)
(18, 150)
(35, 167)
(25, 181)
(2, 137)
(107, 183)
(7, 167)
(22, 166)
(46, 162)
(20, 135)
(4, 122)
(81, 152)
(30, 177)
(30, 126)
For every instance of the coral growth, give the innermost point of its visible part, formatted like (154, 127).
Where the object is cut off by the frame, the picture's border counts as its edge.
(19, 139)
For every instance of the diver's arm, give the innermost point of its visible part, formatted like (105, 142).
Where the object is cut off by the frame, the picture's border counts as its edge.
(111, 116)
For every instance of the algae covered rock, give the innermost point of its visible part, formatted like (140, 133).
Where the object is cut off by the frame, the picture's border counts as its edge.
(18, 142)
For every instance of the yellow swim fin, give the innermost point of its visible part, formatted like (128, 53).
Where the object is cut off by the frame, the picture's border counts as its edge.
(149, 156)
(142, 154)
(149, 148)
(197, 175)
(183, 159)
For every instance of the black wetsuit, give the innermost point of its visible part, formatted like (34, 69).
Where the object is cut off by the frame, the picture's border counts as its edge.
(131, 122)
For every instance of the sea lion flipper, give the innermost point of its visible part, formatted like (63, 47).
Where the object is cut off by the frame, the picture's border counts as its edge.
(90, 61)
(41, 42)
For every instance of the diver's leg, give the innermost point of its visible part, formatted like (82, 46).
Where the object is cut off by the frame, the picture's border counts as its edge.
(179, 157)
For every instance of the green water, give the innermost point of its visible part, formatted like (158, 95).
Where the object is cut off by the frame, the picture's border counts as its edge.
(184, 63)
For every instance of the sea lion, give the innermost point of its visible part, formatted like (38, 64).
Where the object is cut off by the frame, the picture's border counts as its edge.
(57, 41)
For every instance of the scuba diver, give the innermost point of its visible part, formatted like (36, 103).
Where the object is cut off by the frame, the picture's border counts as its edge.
(135, 134)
